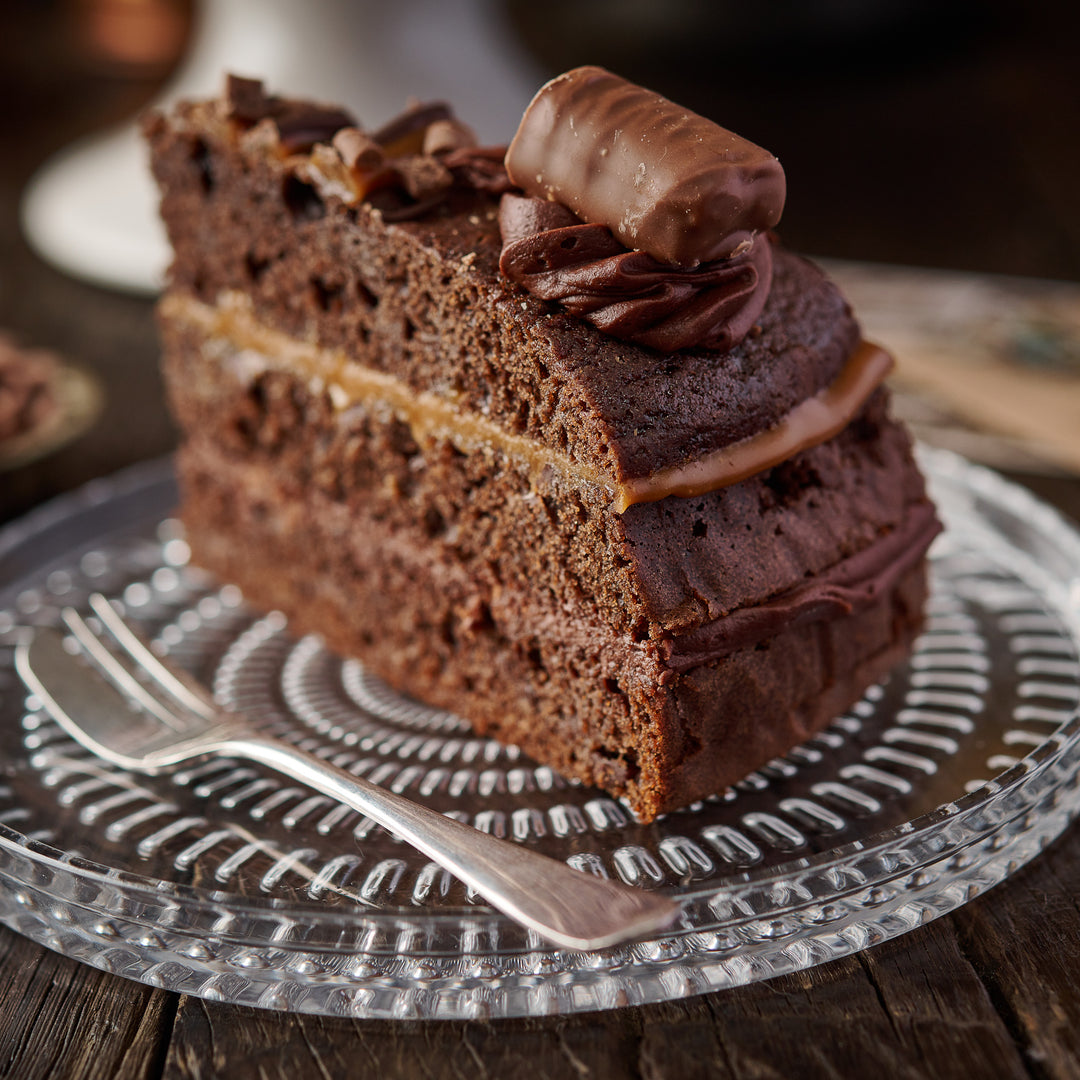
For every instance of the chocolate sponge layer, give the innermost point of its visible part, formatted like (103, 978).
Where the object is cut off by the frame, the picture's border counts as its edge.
(571, 691)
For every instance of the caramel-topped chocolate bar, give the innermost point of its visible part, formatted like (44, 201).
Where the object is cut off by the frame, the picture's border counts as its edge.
(664, 180)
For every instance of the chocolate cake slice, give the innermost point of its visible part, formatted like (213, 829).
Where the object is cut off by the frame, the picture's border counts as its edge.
(631, 502)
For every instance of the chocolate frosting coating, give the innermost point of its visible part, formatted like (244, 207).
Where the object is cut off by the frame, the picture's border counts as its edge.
(628, 294)
(850, 585)
(663, 179)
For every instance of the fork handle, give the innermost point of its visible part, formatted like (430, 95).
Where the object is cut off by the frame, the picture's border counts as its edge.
(570, 908)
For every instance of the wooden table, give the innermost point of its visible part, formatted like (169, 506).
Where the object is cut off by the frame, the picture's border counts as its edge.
(990, 991)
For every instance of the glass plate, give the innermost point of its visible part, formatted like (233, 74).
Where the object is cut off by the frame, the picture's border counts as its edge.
(231, 883)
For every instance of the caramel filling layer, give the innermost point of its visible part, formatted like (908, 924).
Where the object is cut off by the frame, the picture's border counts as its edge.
(808, 424)
(430, 416)
(348, 384)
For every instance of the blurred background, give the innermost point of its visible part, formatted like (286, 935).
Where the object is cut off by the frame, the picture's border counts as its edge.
(914, 134)
(920, 132)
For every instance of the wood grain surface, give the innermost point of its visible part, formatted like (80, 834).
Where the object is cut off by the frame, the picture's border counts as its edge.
(992, 990)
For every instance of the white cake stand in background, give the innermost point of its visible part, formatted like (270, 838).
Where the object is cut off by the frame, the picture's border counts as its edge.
(92, 210)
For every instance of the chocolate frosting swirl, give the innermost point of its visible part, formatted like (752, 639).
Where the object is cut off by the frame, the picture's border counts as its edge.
(629, 294)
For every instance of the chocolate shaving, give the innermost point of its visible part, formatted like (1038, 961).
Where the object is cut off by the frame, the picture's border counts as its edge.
(300, 124)
(358, 150)
(245, 99)
(443, 136)
(405, 133)
(628, 294)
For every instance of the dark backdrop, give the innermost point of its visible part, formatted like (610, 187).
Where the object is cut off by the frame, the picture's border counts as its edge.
(925, 132)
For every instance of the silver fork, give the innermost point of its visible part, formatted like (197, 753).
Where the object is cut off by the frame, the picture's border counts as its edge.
(167, 718)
